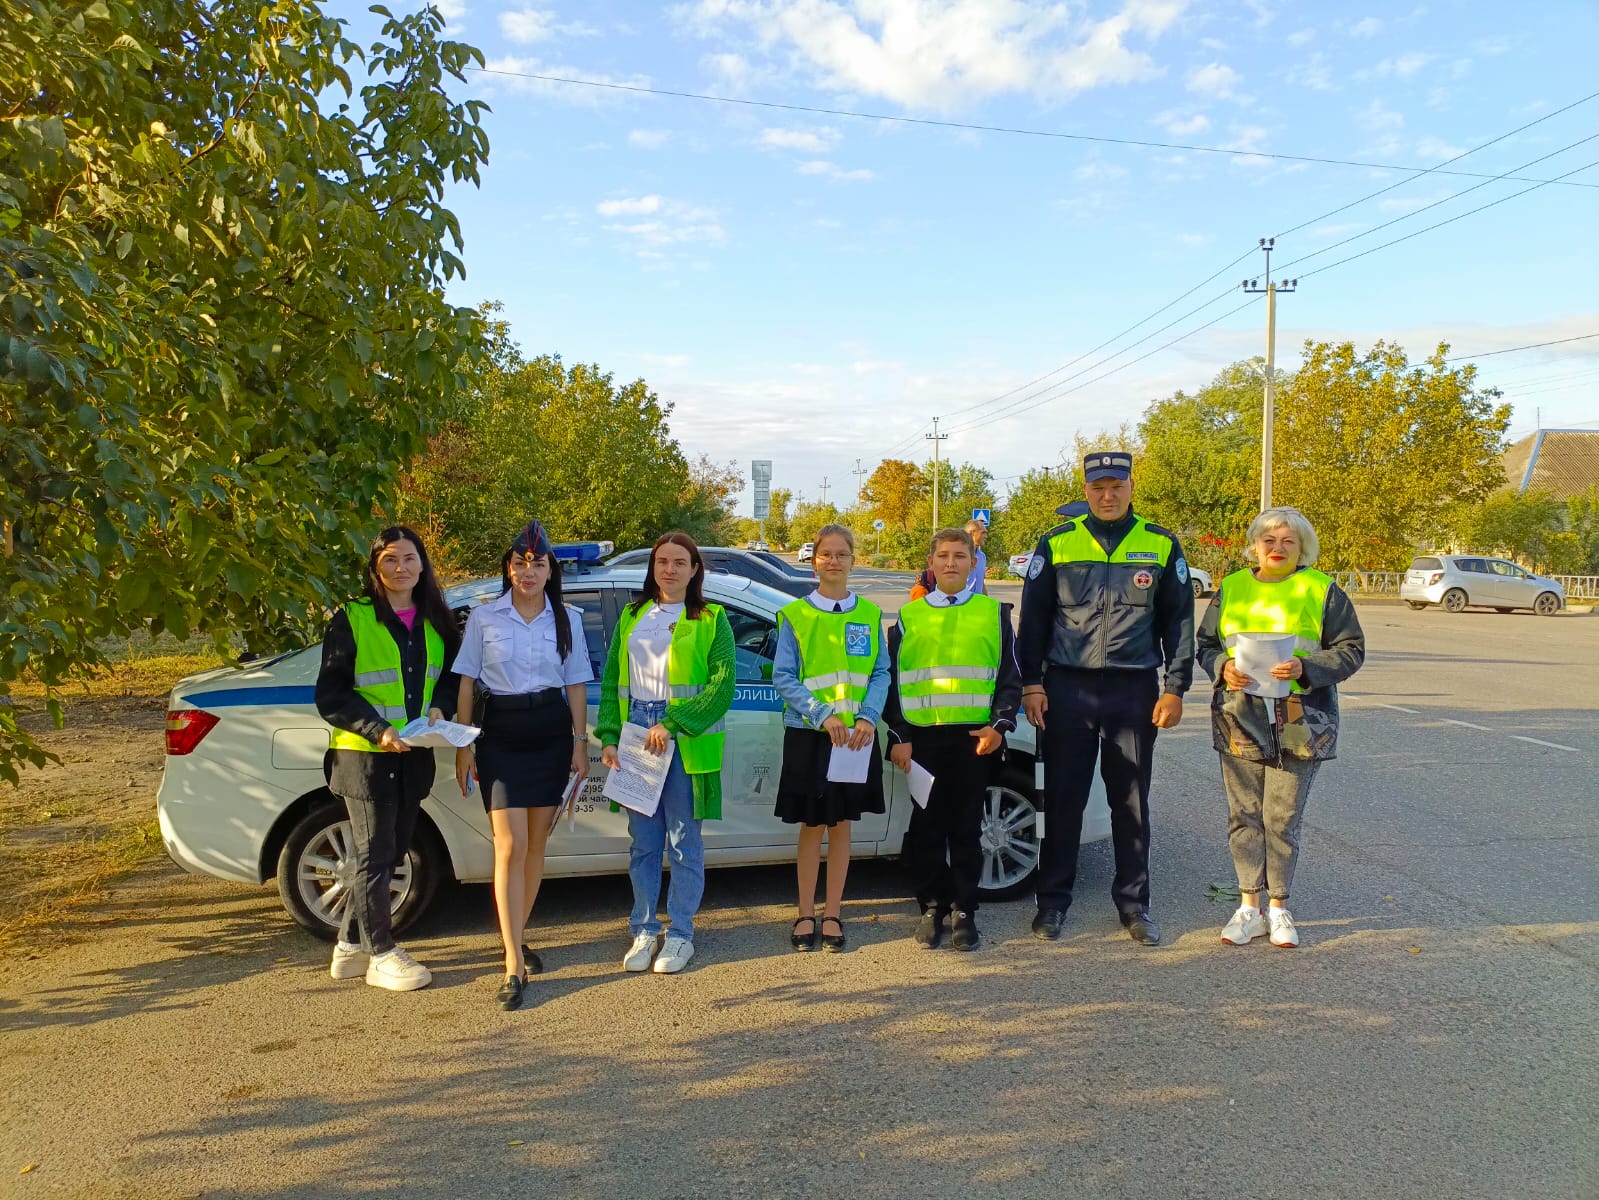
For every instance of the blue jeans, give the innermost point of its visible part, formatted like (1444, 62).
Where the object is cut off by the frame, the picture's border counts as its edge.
(671, 829)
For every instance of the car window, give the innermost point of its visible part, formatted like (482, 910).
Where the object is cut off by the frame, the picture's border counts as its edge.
(755, 646)
(1499, 567)
(593, 627)
(1474, 566)
(1426, 564)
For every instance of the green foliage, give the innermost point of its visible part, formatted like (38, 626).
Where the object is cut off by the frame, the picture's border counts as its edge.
(777, 531)
(1536, 529)
(222, 323)
(894, 489)
(808, 518)
(1029, 511)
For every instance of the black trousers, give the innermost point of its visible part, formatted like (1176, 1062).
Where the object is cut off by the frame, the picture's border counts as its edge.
(943, 845)
(381, 833)
(1106, 715)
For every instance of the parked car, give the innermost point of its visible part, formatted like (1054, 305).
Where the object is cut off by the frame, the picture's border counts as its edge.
(725, 560)
(1199, 578)
(243, 796)
(785, 565)
(758, 545)
(1458, 581)
(806, 552)
(1019, 564)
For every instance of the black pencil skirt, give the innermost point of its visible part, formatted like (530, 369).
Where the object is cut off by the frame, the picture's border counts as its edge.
(805, 795)
(524, 754)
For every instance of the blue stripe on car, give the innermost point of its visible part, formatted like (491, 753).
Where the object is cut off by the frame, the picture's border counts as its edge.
(746, 697)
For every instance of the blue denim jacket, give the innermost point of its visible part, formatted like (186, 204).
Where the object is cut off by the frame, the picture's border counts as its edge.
(801, 710)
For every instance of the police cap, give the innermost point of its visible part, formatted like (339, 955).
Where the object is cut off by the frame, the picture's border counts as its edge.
(1108, 464)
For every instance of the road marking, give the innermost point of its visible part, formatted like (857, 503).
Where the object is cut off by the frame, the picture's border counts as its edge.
(1401, 708)
(1467, 724)
(1541, 742)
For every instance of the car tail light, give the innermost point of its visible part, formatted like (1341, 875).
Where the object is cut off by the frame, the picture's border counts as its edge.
(186, 727)
(1434, 578)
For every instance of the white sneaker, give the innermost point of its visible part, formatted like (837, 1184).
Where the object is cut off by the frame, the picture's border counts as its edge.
(674, 955)
(397, 971)
(1283, 932)
(349, 962)
(1246, 925)
(640, 953)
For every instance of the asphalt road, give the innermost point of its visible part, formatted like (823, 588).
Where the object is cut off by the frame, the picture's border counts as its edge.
(1432, 1038)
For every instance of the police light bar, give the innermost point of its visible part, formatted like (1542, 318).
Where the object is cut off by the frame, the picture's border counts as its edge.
(583, 552)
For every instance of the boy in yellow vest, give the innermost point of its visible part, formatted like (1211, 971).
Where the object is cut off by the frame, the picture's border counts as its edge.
(956, 691)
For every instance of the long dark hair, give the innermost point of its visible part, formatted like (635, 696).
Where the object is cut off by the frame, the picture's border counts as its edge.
(427, 595)
(552, 596)
(694, 600)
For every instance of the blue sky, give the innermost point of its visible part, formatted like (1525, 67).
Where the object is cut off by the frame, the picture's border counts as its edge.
(814, 289)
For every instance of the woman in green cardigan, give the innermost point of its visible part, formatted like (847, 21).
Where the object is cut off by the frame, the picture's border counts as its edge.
(670, 671)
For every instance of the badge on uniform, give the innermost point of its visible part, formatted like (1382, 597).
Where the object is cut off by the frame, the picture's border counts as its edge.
(1142, 556)
(1144, 579)
(1182, 570)
(857, 640)
(1036, 567)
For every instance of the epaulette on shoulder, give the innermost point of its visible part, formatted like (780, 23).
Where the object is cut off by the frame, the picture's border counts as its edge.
(1160, 529)
(1063, 527)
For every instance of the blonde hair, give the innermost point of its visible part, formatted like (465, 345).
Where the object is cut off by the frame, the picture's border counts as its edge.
(1290, 518)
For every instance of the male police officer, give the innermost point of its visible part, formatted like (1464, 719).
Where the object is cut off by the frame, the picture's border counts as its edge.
(1106, 604)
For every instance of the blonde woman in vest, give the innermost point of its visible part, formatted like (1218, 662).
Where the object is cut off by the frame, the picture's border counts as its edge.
(526, 651)
(832, 672)
(383, 659)
(1271, 748)
(670, 671)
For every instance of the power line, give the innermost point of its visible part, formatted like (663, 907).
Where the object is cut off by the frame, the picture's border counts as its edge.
(976, 128)
(1581, 337)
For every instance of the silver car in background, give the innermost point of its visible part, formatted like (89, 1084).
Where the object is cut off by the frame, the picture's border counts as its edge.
(1455, 582)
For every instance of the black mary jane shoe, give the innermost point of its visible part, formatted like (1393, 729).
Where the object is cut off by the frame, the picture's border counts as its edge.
(532, 964)
(833, 941)
(803, 941)
(510, 994)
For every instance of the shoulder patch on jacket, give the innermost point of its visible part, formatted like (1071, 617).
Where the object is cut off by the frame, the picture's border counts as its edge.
(1064, 527)
(1160, 529)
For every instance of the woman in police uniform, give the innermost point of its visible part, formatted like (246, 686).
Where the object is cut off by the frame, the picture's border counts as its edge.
(382, 658)
(832, 673)
(1271, 748)
(670, 671)
(526, 652)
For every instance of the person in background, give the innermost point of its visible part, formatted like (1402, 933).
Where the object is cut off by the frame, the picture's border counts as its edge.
(954, 695)
(1272, 747)
(978, 531)
(382, 658)
(1105, 607)
(670, 671)
(924, 583)
(832, 672)
(526, 651)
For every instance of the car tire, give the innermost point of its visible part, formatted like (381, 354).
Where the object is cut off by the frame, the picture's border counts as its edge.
(1199, 589)
(1546, 605)
(1454, 601)
(317, 853)
(1010, 837)
(1418, 605)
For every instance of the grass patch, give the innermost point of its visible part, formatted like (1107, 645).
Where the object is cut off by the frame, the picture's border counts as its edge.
(148, 670)
(46, 880)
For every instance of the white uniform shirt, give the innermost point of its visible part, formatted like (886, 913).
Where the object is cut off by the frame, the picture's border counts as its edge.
(648, 649)
(512, 656)
(822, 604)
(938, 598)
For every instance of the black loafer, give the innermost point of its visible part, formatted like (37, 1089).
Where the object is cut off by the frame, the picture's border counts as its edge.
(963, 932)
(510, 993)
(803, 941)
(1048, 923)
(531, 962)
(833, 941)
(1140, 928)
(930, 930)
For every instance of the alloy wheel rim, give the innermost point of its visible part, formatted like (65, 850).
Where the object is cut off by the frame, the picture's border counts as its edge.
(325, 875)
(1009, 838)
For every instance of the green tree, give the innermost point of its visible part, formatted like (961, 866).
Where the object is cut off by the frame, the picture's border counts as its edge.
(1582, 522)
(1377, 451)
(777, 532)
(893, 490)
(810, 517)
(223, 329)
(1029, 510)
(1523, 527)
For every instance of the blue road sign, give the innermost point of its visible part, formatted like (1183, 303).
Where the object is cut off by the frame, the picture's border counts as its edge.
(981, 514)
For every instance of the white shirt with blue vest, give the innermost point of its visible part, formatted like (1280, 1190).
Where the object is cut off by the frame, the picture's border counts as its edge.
(801, 709)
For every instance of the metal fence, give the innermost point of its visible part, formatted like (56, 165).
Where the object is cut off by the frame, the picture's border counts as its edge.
(1386, 583)
(1579, 587)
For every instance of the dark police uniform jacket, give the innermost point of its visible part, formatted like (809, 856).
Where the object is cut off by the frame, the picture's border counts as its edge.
(1128, 609)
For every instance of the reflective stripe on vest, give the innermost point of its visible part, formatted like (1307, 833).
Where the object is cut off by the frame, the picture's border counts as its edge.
(836, 676)
(1290, 607)
(688, 670)
(1077, 544)
(949, 661)
(377, 672)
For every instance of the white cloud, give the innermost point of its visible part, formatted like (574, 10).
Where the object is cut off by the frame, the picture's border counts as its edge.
(1215, 80)
(870, 366)
(451, 10)
(1302, 37)
(649, 139)
(1379, 117)
(526, 25)
(1178, 124)
(510, 73)
(833, 170)
(1366, 27)
(1246, 139)
(1402, 67)
(937, 53)
(1215, 44)
(1099, 172)
(636, 207)
(1316, 75)
(811, 141)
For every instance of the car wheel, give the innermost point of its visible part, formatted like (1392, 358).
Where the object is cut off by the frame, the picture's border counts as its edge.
(1009, 839)
(1546, 605)
(1418, 605)
(316, 870)
(1199, 589)
(1454, 600)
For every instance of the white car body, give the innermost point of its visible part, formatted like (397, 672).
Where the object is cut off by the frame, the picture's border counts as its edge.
(238, 804)
(806, 552)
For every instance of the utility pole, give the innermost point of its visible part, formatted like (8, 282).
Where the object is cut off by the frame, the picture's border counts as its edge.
(1267, 413)
(860, 487)
(824, 489)
(935, 437)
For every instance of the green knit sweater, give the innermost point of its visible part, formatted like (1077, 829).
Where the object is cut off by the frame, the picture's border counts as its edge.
(692, 716)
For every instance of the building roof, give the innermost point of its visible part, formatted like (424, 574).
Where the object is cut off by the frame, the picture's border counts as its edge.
(1562, 461)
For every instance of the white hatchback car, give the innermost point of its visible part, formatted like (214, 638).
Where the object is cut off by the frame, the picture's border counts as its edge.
(243, 795)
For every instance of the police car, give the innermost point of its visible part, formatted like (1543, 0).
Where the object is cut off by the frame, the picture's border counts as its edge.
(243, 796)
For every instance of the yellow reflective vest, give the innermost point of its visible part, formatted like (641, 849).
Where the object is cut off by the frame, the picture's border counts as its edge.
(948, 665)
(837, 652)
(1289, 607)
(378, 672)
(688, 670)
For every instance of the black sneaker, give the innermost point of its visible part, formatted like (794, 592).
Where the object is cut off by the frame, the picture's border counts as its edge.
(930, 930)
(964, 935)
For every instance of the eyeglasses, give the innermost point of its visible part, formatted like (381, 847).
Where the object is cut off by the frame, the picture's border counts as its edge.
(844, 556)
